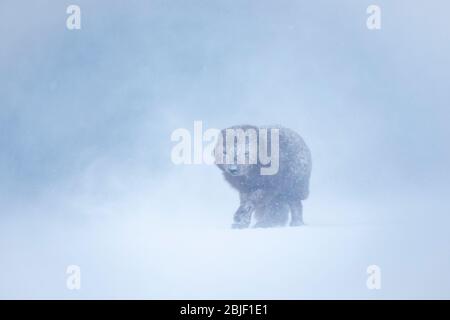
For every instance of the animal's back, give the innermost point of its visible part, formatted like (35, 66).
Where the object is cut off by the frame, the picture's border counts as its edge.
(295, 164)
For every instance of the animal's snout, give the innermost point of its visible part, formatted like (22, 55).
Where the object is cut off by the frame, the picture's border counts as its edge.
(233, 169)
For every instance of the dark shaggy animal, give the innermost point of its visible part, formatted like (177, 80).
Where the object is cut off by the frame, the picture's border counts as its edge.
(269, 196)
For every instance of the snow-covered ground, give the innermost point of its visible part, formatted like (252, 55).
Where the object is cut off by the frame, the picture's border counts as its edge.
(130, 251)
(136, 260)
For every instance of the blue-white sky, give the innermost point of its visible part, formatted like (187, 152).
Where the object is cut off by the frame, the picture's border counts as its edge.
(86, 116)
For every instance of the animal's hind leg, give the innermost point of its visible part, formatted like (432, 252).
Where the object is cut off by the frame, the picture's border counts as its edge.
(296, 213)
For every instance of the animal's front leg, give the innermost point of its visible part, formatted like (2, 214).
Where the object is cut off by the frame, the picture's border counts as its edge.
(243, 215)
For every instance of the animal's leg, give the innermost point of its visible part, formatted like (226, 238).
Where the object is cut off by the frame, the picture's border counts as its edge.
(243, 215)
(296, 213)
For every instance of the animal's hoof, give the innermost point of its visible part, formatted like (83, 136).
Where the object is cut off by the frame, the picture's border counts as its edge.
(239, 226)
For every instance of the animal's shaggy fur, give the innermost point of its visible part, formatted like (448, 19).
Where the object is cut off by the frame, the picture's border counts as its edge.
(271, 197)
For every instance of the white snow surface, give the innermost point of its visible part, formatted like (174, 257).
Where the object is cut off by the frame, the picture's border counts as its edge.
(129, 250)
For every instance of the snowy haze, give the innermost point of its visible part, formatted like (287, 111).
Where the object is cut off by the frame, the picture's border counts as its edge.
(85, 171)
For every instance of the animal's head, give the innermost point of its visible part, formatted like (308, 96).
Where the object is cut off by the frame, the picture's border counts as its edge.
(236, 152)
